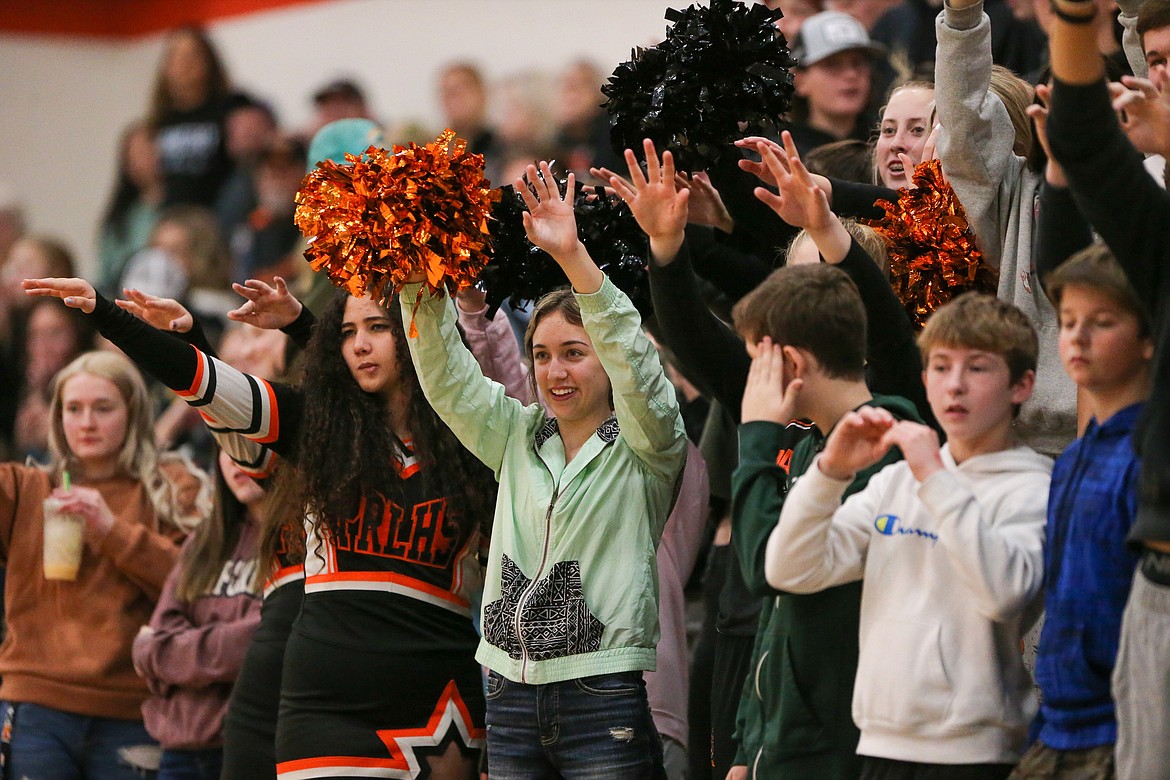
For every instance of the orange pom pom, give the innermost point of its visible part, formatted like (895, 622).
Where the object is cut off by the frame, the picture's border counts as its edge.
(932, 250)
(385, 217)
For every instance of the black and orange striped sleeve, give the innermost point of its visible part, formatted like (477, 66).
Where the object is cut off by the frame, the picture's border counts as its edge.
(229, 400)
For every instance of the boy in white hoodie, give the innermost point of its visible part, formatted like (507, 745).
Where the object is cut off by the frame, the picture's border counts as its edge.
(950, 544)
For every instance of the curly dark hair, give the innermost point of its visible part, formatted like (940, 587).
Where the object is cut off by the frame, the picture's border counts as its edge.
(347, 439)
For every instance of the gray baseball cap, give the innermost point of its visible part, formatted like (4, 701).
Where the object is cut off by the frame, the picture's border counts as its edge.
(831, 32)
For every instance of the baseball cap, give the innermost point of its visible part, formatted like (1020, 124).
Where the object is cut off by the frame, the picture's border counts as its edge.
(831, 32)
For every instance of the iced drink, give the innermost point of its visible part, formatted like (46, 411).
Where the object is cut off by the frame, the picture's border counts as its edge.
(64, 534)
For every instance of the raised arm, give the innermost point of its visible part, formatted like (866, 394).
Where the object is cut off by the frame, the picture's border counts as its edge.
(494, 345)
(1106, 173)
(476, 409)
(709, 353)
(976, 138)
(229, 400)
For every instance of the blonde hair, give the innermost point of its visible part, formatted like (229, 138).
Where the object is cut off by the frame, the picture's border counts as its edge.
(1016, 95)
(873, 244)
(138, 458)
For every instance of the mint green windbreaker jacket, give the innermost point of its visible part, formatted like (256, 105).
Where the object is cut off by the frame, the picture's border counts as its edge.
(571, 588)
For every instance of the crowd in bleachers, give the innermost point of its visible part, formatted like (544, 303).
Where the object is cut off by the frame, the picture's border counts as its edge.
(839, 502)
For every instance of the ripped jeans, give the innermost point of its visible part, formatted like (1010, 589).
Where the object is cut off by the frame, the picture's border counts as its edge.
(592, 728)
(51, 744)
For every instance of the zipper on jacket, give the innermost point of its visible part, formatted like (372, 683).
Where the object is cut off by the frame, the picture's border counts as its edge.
(532, 587)
(759, 668)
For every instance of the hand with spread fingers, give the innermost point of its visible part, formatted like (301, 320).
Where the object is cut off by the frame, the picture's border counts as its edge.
(161, 313)
(800, 202)
(858, 442)
(550, 224)
(655, 200)
(706, 206)
(269, 306)
(761, 171)
(549, 221)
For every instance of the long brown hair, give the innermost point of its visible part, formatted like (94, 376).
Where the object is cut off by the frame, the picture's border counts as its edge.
(347, 440)
(161, 101)
(213, 543)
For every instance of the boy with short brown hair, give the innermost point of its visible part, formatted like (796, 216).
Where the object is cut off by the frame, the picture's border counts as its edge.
(950, 542)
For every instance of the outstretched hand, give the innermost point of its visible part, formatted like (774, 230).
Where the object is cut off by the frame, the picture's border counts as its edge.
(549, 221)
(73, 292)
(655, 200)
(161, 313)
(800, 202)
(770, 395)
(706, 206)
(760, 169)
(551, 225)
(858, 442)
(268, 306)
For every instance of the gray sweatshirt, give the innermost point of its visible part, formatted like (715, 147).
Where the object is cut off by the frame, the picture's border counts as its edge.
(999, 194)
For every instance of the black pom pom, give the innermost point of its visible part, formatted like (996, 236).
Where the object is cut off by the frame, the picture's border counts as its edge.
(719, 66)
(519, 271)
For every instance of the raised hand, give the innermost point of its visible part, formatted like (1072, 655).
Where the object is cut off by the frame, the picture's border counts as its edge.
(73, 292)
(858, 442)
(706, 206)
(161, 313)
(759, 169)
(551, 224)
(657, 203)
(1144, 113)
(800, 202)
(1053, 173)
(268, 306)
(769, 394)
(471, 299)
(549, 220)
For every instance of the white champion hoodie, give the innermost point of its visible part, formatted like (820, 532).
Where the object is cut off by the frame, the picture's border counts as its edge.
(953, 570)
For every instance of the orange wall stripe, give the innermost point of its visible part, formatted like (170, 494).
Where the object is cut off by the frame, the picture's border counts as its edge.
(123, 18)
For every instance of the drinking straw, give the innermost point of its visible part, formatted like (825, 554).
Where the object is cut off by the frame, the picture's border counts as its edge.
(66, 481)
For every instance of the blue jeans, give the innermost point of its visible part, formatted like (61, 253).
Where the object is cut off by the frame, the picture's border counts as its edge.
(50, 744)
(191, 764)
(593, 728)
